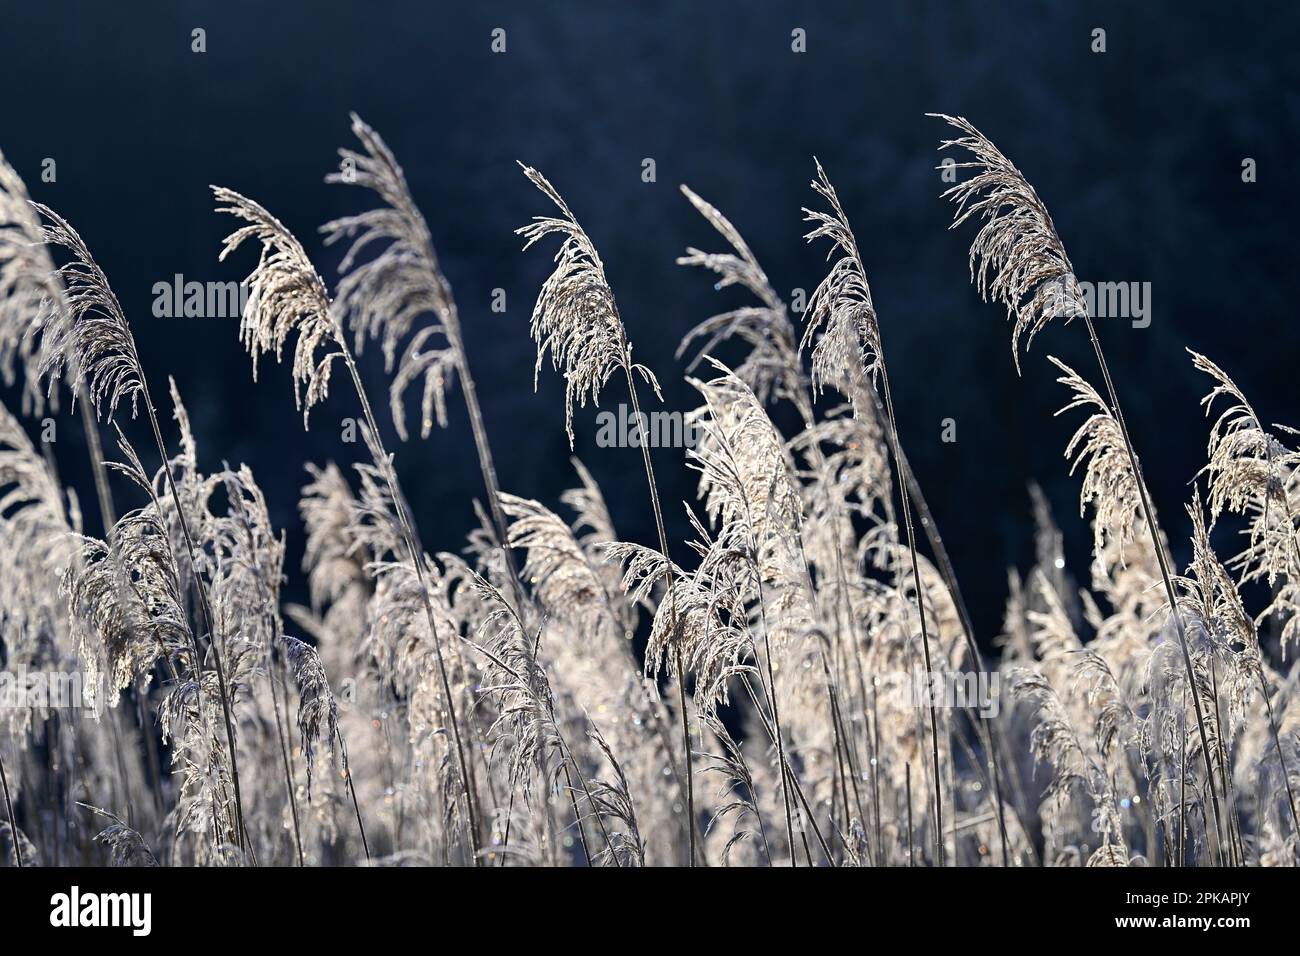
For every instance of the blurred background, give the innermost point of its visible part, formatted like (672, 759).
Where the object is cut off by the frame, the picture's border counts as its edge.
(1137, 152)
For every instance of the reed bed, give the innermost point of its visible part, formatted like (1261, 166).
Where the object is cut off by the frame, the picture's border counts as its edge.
(490, 704)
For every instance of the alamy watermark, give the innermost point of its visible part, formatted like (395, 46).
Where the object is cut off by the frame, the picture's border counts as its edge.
(133, 911)
(1102, 300)
(199, 300)
(23, 689)
(977, 691)
(624, 428)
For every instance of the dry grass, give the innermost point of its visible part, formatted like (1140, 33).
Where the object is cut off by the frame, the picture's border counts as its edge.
(494, 708)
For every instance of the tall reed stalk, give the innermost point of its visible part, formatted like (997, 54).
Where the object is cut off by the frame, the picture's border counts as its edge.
(378, 296)
(1034, 278)
(851, 340)
(36, 308)
(577, 318)
(9, 811)
(290, 295)
(663, 546)
(99, 343)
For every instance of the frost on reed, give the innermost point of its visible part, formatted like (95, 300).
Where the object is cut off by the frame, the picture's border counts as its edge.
(504, 699)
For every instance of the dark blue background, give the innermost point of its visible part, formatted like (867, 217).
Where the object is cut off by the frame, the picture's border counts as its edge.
(1137, 153)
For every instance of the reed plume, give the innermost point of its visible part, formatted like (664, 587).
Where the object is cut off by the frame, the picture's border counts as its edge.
(384, 296)
(288, 296)
(96, 341)
(576, 320)
(1018, 258)
(499, 701)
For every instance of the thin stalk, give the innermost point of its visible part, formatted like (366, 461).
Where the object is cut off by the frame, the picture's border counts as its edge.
(657, 713)
(107, 513)
(281, 736)
(989, 735)
(753, 803)
(352, 792)
(108, 519)
(1153, 529)
(566, 752)
(450, 318)
(196, 668)
(414, 554)
(663, 547)
(1272, 723)
(205, 610)
(1277, 743)
(837, 727)
(788, 772)
(51, 466)
(920, 602)
(771, 679)
(876, 765)
(505, 840)
(487, 467)
(802, 400)
(774, 729)
(1234, 847)
(451, 323)
(577, 819)
(777, 734)
(582, 782)
(911, 855)
(842, 752)
(9, 809)
(270, 607)
(1182, 785)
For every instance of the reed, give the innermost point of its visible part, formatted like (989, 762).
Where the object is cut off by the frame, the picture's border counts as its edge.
(487, 703)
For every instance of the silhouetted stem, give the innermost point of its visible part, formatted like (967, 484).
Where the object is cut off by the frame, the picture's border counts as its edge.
(920, 607)
(988, 732)
(352, 791)
(414, 553)
(9, 809)
(911, 856)
(206, 611)
(281, 737)
(672, 593)
(451, 323)
(1166, 576)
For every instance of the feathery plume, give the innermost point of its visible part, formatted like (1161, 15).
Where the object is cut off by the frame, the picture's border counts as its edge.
(32, 313)
(384, 295)
(286, 295)
(126, 846)
(126, 591)
(1108, 480)
(576, 318)
(1251, 472)
(318, 711)
(841, 317)
(772, 366)
(94, 337)
(1017, 257)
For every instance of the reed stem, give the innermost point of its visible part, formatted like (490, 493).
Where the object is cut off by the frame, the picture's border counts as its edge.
(9, 809)
(672, 593)
(1148, 512)
(414, 553)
